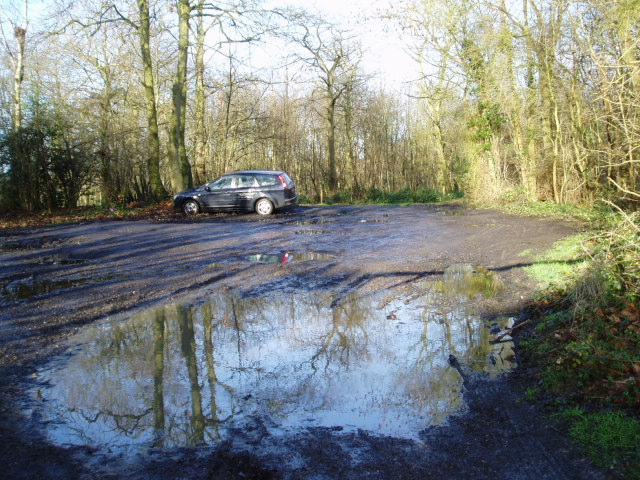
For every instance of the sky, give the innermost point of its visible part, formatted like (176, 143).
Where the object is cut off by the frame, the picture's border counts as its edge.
(385, 53)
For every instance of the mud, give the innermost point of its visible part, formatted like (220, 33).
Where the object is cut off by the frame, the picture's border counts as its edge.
(384, 253)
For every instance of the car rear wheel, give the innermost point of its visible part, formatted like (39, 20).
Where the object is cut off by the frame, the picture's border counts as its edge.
(264, 207)
(190, 207)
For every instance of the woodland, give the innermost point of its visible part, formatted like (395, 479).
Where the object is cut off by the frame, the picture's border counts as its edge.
(117, 102)
(532, 105)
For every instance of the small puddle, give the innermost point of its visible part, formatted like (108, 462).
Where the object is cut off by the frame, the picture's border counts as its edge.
(288, 257)
(60, 260)
(374, 221)
(318, 232)
(274, 258)
(190, 374)
(32, 244)
(463, 280)
(307, 222)
(21, 245)
(25, 289)
(450, 212)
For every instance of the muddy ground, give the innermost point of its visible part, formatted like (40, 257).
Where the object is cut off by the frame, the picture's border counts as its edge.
(125, 266)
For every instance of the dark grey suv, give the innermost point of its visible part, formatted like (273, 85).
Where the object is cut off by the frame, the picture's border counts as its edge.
(260, 191)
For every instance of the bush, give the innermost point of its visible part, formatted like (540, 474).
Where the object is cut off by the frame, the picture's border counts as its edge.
(427, 196)
(374, 195)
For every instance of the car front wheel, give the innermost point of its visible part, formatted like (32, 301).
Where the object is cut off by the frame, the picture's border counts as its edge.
(190, 207)
(264, 207)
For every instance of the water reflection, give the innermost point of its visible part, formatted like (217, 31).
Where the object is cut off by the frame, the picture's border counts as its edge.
(186, 374)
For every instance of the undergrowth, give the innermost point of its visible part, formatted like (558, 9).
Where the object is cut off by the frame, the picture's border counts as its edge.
(132, 211)
(376, 196)
(586, 339)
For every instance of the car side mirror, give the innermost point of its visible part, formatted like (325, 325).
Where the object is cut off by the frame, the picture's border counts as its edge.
(207, 188)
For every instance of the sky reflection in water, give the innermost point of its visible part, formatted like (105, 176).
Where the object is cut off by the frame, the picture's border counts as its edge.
(186, 374)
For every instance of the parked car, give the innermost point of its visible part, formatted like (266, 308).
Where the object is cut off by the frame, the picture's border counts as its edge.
(260, 191)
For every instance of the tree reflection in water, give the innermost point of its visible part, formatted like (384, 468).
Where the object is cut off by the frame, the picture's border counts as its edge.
(186, 374)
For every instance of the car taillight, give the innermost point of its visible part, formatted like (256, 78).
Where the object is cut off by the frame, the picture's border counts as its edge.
(283, 181)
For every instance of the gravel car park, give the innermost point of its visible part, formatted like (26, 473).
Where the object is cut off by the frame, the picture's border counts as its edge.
(312, 308)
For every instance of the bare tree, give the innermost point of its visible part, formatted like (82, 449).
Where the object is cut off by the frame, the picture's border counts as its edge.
(179, 167)
(334, 56)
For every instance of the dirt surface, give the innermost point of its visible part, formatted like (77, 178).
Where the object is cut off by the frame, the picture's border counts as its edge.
(123, 266)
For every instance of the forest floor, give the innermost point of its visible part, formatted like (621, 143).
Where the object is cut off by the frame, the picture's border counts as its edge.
(131, 265)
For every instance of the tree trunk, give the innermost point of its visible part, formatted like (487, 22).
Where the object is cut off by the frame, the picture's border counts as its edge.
(180, 170)
(157, 189)
(18, 76)
(331, 145)
(199, 133)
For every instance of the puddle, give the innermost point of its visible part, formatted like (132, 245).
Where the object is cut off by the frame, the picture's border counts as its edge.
(288, 257)
(189, 374)
(29, 244)
(25, 289)
(21, 245)
(60, 260)
(374, 221)
(274, 258)
(307, 222)
(318, 232)
(450, 212)
(463, 280)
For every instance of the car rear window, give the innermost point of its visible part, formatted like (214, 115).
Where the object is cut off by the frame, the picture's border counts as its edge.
(287, 179)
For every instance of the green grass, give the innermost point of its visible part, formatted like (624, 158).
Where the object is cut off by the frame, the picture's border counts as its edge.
(556, 266)
(610, 439)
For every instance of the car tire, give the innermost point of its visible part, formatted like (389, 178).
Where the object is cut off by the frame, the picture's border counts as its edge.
(264, 207)
(190, 207)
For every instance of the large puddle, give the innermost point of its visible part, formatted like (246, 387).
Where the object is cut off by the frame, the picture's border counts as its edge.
(189, 374)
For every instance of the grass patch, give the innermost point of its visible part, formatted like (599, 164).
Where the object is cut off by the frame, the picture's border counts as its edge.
(611, 439)
(558, 265)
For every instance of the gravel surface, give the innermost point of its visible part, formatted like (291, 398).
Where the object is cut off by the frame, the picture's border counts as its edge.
(56, 279)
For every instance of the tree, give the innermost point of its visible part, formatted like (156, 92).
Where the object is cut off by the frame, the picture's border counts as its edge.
(95, 18)
(199, 150)
(143, 30)
(45, 168)
(334, 56)
(179, 167)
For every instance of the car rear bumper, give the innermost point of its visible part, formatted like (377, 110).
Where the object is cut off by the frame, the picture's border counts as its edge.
(291, 201)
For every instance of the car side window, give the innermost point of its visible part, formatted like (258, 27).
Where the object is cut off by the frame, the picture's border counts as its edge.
(266, 180)
(246, 181)
(221, 183)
